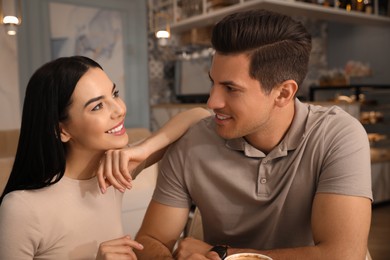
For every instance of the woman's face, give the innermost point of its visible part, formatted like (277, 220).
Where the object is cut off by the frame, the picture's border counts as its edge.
(96, 115)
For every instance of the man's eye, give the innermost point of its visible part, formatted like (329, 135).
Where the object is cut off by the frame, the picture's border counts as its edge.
(211, 83)
(230, 89)
(115, 94)
(98, 107)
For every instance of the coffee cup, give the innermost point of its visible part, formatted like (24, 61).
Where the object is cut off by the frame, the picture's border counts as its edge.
(248, 256)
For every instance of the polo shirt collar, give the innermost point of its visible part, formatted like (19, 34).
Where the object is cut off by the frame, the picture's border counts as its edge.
(240, 144)
(289, 142)
(297, 129)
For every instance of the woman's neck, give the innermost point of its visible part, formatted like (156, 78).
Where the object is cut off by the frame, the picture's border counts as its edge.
(82, 165)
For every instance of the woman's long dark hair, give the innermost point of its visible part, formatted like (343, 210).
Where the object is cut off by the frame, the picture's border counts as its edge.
(40, 156)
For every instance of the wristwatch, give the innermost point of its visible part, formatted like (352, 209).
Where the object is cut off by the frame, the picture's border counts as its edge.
(221, 250)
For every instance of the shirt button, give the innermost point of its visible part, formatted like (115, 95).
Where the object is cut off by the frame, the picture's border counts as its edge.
(263, 180)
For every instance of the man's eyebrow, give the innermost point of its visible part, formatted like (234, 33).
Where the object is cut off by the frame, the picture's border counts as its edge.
(231, 83)
(226, 82)
(99, 97)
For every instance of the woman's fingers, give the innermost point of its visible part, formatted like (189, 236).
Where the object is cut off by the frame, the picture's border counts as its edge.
(117, 166)
(121, 248)
(107, 173)
(119, 172)
(103, 184)
(124, 159)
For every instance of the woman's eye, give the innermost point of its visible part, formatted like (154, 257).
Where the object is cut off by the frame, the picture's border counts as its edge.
(115, 94)
(98, 107)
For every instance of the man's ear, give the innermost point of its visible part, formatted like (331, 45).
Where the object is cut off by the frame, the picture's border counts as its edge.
(65, 136)
(286, 92)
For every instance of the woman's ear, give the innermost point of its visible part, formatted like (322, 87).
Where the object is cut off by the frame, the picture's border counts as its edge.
(65, 136)
(286, 92)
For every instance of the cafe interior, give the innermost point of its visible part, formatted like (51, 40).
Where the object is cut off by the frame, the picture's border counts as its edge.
(158, 53)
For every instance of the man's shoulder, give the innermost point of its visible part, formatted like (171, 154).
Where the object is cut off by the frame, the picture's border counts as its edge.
(203, 132)
(334, 115)
(205, 126)
(334, 123)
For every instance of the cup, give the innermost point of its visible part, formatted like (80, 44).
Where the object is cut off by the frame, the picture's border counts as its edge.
(248, 256)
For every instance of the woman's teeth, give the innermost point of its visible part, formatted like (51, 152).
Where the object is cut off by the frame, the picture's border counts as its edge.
(115, 130)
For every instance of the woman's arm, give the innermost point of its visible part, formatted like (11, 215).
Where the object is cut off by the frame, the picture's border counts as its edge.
(118, 167)
(19, 228)
(170, 132)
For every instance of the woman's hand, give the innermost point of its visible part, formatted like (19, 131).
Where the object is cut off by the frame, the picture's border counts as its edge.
(117, 166)
(120, 248)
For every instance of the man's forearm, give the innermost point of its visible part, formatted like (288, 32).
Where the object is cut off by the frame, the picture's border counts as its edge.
(153, 249)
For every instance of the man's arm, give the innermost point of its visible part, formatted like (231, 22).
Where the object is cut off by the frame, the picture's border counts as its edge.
(340, 226)
(161, 228)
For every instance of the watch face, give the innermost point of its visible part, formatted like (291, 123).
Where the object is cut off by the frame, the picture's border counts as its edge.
(220, 250)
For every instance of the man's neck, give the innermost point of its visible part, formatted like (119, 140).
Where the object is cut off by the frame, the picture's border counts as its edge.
(268, 138)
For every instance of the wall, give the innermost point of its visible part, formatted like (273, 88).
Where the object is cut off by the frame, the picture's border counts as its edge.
(333, 45)
(367, 44)
(9, 83)
(162, 62)
(34, 48)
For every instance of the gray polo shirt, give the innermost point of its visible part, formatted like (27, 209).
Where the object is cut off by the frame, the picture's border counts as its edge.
(263, 201)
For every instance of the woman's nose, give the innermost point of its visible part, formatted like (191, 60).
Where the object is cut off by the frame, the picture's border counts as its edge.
(118, 108)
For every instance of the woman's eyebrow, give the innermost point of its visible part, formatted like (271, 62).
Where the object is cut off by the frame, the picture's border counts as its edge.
(93, 100)
(99, 97)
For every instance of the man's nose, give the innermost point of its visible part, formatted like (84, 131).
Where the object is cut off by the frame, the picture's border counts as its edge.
(216, 100)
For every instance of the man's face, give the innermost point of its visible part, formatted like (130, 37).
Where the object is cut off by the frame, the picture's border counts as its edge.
(241, 107)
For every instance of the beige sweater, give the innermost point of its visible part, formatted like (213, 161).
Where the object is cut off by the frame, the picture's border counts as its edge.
(67, 220)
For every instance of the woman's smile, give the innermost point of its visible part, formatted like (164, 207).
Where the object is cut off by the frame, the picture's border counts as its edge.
(117, 130)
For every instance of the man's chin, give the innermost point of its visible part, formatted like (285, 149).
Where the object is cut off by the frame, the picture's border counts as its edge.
(225, 134)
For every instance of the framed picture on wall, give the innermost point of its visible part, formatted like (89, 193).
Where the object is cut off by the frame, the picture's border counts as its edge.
(89, 31)
(112, 32)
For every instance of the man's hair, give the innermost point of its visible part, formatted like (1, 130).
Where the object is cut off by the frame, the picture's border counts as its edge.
(278, 46)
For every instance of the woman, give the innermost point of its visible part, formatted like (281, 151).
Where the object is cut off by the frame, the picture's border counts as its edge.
(52, 207)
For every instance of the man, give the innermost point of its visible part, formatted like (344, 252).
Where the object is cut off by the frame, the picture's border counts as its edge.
(268, 173)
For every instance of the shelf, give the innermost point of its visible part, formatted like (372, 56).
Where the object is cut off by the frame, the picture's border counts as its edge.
(374, 111)
(356, 89)
(376, 107)
(289, 7)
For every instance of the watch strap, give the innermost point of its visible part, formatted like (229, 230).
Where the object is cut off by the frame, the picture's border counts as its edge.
(221, 250)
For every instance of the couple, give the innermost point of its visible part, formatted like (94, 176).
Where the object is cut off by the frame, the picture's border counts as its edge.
(268, 173)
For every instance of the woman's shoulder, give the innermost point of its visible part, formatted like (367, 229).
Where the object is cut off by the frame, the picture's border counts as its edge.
(15, 209)
(19, 226)
(16, 201)
(26, 199)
